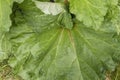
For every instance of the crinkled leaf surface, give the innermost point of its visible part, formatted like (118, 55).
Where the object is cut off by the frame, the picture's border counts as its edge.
(5, 23)
(36, 18)
(111, 22)
(5, 11)
(61, 54)
(113, 16)
(90, 12)
(64, 18)
(56, 53)
(41, 48)
(39, 20)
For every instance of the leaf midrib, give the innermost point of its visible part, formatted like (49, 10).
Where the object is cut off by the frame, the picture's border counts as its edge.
(74, 48)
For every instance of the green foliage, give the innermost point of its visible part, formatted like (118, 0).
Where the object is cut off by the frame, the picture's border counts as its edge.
(5, 23)
(65, 40)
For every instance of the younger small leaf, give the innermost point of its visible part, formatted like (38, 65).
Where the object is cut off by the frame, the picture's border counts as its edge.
(65, 19)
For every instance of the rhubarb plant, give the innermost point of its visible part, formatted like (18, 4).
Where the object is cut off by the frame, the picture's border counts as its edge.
(60, 39)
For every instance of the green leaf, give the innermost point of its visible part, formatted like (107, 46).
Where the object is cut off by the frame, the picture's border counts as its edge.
(5, 22)
(34, 17)
(39, 20)
(40, 48)
(115, 13)
(64, 17)
(60, 54)
(112, 2)
(59, 0)
(90, 12)
(5, 11)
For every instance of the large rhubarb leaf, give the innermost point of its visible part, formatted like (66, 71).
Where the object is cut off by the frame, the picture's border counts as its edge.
(56, 53)
(61, 54)
(41, 48)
